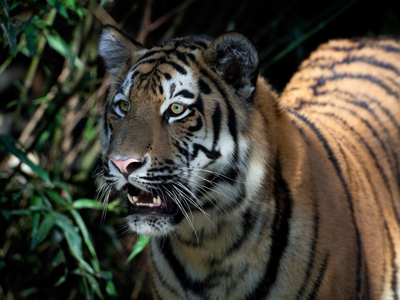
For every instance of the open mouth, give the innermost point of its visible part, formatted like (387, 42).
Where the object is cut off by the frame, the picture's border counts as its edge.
(149, 203)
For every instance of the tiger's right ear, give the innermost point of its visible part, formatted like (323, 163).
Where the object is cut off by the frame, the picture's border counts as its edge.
(118, 51)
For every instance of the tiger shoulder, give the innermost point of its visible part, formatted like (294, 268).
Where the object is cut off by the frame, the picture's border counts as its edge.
(247, 194)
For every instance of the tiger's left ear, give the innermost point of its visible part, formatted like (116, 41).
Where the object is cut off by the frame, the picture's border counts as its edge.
(118, 51)
(234, 57)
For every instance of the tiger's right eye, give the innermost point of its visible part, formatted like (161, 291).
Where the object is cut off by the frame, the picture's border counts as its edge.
(124, 105)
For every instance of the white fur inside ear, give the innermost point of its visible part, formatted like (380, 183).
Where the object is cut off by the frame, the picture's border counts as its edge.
(110, 49)
(116, 49)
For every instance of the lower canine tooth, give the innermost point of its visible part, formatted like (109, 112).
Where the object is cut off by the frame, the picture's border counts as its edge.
(158, 201)
(135, 199)
(154, 200)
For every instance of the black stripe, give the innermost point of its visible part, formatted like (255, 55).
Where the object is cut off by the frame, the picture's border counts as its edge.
(201, 44)
(248, 223)
(176, 66)
(370, 60)
(198, 126)
(204, 87)
(322, 80)
(185, 94)
(167, 76)
(211, 154)
(320, 277)
(199, 105)
(158, 273)
(187, 283)
(386, 48)
(182, 57)
(279, 235)
(332, 158)
(216, 123)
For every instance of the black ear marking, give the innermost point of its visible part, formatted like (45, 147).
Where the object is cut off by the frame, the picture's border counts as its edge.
(117, 49)
(234, 58)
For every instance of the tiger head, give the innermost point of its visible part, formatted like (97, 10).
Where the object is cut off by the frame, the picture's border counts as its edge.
(176, 131)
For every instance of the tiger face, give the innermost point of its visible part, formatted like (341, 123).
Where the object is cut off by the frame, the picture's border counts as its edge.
(171, 139)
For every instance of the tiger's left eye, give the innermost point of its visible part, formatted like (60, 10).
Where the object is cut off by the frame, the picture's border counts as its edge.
(177, 108)
(124, 105)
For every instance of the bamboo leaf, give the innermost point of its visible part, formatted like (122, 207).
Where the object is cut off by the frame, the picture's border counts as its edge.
(94, 285)
(110, 289)
(60, 45)
(74, 241)
(31, 39)
(139, 246)
(6, 7)
(62, 279)
(55, 197)
(43, 231)
(86, 203)
(8, 142)
(85, 233)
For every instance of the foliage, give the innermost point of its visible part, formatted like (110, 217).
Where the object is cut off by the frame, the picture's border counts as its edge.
(48, 247)
(57, 241)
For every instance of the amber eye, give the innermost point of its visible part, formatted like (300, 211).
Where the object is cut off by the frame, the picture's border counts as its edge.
(124, 105)
(177, 108)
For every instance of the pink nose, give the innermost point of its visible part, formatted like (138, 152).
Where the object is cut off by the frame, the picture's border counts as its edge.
(127, 166)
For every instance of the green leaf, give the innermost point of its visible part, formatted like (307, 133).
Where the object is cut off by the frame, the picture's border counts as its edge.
(110, 289)
(40, 100)
(6, 7)
(17, 212)
(85, 233)
(140, 245)
(94, 285)
(55, 197)
(11, 34)
(86, 203)
(14, 4)
(65, 188)
(38, 208)
(59, 7)
(31, 39)
(114, 206)
(74, 241)
(43, 231)
(58, 259)
(9, 142)
(60, 45)
(62, 279)
(35, 200)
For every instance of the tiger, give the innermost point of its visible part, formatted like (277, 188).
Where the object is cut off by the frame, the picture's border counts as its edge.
(247, 193)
